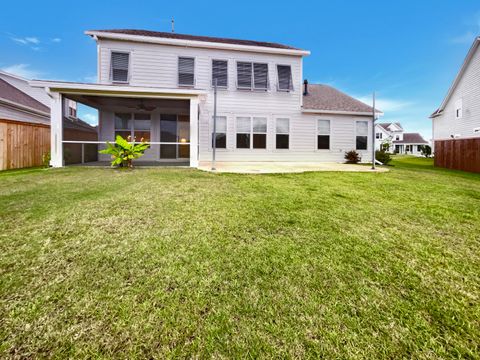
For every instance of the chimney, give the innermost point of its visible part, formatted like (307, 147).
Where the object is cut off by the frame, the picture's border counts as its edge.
(305, 87)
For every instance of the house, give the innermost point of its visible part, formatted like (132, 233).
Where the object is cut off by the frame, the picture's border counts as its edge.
(160, 87)
(458, 116)
(25, 124)
(392, 137)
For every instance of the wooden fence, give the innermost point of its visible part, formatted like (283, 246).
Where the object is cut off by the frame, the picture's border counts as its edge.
(458, 154)
(22, 144)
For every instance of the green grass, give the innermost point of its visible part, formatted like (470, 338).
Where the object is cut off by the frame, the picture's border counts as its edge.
(181, 263)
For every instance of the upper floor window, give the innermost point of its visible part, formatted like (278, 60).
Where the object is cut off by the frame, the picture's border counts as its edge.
(186, 71)
(378, 136)
(458, 109)
(361, 135)
(220, 73)
(119, 66)
(323, 134)
(252, 76)
(285, 82)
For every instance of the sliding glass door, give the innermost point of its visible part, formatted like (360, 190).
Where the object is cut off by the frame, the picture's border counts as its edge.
(176, 129)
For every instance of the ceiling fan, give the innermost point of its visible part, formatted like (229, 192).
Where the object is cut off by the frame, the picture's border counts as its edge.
(142, 107)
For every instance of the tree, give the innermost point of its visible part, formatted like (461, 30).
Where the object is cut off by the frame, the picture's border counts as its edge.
(426, 150)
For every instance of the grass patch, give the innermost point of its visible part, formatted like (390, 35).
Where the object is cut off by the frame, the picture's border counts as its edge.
(182, 263)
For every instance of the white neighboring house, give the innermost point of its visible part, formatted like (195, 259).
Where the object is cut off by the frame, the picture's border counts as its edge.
(159, 86)
(399, 141)
(459, 114)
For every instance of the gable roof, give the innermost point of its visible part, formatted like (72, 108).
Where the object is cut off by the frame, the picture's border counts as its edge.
(467, 60)
(195, 38)
(12, 94)
(386, 125)
(326, 98)
(411, 138)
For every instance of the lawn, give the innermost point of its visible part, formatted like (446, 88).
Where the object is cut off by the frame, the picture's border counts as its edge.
(181, 263)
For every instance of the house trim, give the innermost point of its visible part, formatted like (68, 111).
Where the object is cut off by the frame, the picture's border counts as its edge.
(339, 112)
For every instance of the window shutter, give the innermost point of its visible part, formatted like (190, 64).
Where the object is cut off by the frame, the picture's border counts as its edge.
(119, 63)
(186, 71)
(284, 77)
(244, 75)
(260, 76)
(220, 72)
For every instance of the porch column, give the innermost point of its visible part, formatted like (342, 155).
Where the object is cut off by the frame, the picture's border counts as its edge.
(194, 132)
(56, 130)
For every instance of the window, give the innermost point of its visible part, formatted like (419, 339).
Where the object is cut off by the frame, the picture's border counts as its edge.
(419, 148)
(251, 135)
(285, 82)
(458, 109)
(282, 134)
(221, 132)
(137, 126)
(362, 135)
(186, 71)
(378, 136)
(252, 75)
(72, 111)
(323, 134)
(220, 73)
(397, 137)
(119, 67)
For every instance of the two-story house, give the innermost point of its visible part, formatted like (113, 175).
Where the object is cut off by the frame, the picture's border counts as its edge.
(392, 138)
(160, 87)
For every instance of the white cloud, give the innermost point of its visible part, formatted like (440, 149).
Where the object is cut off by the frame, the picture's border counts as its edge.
(385, 104)
(56, 40)
(23, 70)
(465, 38)
(90, 118)
(90, 79)
(26, 40)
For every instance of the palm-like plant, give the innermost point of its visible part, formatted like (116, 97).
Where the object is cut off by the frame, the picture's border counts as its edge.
(123, 152)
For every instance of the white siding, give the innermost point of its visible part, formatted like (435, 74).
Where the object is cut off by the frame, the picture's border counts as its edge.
(10, 113)
(468, 90)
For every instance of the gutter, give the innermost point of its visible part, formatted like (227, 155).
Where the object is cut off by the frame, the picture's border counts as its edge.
(339, 112)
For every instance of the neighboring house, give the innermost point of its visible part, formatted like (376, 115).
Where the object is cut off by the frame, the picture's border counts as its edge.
(459, 114)
(159, 86)
(25, 123)
(393, 137)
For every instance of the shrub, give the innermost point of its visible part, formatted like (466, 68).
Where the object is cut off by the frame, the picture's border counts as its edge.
(46, 159)
(352, 157)
(383, 157)
(123, 152)
(426, 150)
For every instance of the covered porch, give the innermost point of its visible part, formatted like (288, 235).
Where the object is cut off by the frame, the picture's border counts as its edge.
(167, 119)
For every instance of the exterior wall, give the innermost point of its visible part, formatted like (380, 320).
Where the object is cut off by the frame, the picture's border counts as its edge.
(468, 90)
(38, 94)
(11, 113)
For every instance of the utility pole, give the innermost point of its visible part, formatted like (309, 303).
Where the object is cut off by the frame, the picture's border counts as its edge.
(214, 140)
(373, 133)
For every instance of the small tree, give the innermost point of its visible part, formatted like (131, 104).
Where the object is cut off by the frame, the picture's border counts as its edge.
(383, 157)
(426, 150)
(123, 152)
(352, 157)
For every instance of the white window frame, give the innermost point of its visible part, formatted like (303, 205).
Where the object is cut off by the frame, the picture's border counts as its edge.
(132, 124)
(251, 133)
(194, 71)
(356, 134)
(226, 132)
(130, 59)
(317, 133)
(288, 133)
(278, 78)
(458, 108)
(252, 82)
(211, 74)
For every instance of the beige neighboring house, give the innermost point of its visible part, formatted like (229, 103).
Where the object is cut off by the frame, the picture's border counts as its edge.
(399, 142)
(458, 116)
(159, 86)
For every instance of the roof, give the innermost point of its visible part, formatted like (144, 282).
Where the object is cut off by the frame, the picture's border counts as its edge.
(326, 98)
(171, 35)
(14, 95)
(468, 58)
(411, 138)
(386, 125)
(78, 124)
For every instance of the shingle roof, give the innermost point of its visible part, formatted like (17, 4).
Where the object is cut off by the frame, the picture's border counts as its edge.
(78, 124)
(411, 138)
(386, 125)
(170, 35)
(324, 97)
(11, 93)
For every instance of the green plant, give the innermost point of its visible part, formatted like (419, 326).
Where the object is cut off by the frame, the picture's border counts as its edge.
(352, 157)
(426, 150)
(46, 157)
(383, 156)
(124, 152)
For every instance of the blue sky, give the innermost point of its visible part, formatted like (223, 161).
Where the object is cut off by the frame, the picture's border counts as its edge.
(407, 51)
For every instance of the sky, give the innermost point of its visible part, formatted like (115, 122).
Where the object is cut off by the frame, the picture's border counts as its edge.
(408, 52)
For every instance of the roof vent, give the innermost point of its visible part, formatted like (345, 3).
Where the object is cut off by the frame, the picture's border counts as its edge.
(305, 87)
